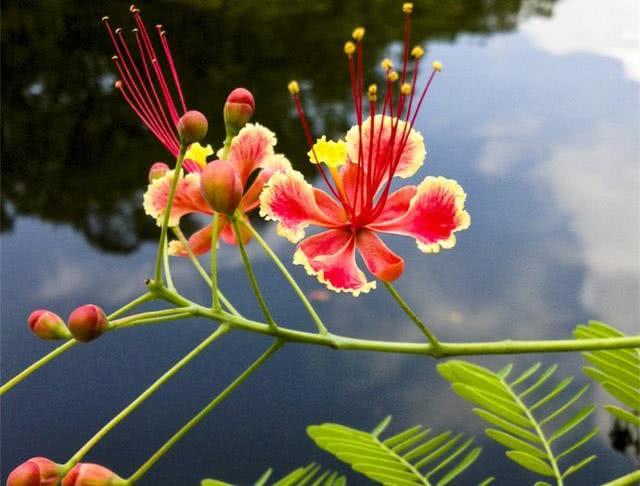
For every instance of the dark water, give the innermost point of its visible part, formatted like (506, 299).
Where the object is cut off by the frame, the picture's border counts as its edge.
(544, 140)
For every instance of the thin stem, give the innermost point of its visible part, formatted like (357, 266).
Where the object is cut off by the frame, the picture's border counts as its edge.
(162, 245)
(37, 365)
(296, 288)
(146, 297)
(143, 396)
(626, 480)
(203, 413)
(198, 266)
(215, 298)
(167, 268)
(426, 349)
(412, 315)
(250, 274)
(227, 145)
(150, 317)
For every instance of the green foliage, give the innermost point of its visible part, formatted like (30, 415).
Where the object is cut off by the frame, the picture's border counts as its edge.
(617, 370)
(509, 407)
(411, 457)
(312, 475)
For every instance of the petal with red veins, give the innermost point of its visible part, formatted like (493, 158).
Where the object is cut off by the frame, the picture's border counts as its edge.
(187, 198)
(292, 202)
(435, 213)
(251, 149)
(413, 152)
(380, 260)
(331, 257)
(397, 203)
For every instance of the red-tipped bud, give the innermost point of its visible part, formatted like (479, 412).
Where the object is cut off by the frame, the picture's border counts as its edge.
(238, 110)
(221, 187)
(157, 170)
(47, 325)
(87, 322)
(37, 471)
(192, 127)
(86, 474)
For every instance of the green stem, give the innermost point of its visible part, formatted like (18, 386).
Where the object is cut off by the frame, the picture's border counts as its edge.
(227, 145)
(303, 298)
(167, 268)
(203, 413)
(162, 245)
(77, 457)
(444, 348)
(146, 297)
(141, 321)
(435, 343)
(35, 366)
(132, 319)
(250, 275)
(215, 298)
(202, 271)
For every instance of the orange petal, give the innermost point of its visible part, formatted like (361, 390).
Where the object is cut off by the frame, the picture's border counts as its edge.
(380, 260)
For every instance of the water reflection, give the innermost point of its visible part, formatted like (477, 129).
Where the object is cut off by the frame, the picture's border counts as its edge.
(544, 143)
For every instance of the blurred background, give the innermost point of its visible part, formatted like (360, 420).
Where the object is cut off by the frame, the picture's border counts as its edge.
(536, 114)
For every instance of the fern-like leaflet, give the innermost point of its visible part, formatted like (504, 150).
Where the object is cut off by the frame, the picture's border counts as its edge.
(310, 475)
(508, 406)
(409, 458)
(617, 370)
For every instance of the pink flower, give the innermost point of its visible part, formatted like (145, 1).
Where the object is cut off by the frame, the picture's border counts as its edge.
(251, 150)
(358, 173)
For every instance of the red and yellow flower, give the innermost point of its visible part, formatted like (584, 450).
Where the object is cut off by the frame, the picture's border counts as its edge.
(145, 86)
(358, 172)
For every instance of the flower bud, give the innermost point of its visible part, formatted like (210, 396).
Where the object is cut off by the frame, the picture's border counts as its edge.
(47, 325)
(37, 471)
(157, 170)
(86, 474)
(87, 322)
(238, 110)
(220, 186)
(192, 127)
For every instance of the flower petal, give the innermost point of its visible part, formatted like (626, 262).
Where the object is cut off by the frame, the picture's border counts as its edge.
(413, 153)
(435, 213)
(225, 230)
(397, 203)
(331, 257)
(250, 149)
(199, 242)
(274, 163)
(380, 260)
(293, 203)
(187, 198)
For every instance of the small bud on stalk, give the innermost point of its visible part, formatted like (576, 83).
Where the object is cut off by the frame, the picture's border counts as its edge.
(37, 471)
(87, 322)
(221, 187)
(192, 127)
(157, 170)
(48, 325)
(86, 474)
(238, 110)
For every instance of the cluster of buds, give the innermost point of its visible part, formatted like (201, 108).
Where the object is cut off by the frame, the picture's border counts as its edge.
(220, 182)
(40, 471)
(85, 324)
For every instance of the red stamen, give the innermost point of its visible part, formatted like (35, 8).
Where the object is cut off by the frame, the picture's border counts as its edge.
(172, 67)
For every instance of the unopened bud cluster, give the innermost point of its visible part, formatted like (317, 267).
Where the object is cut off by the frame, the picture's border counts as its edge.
(40, 471)
(85, 324)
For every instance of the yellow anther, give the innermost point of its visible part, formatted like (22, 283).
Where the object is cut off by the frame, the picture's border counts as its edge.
(417, 52)
(405, 89)
(349, 48)
(333, 154)
(386, 64)
(358, 33)
(372, 92)
(392, 76)
(407, 7)
(436, 65)
(293, 87)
